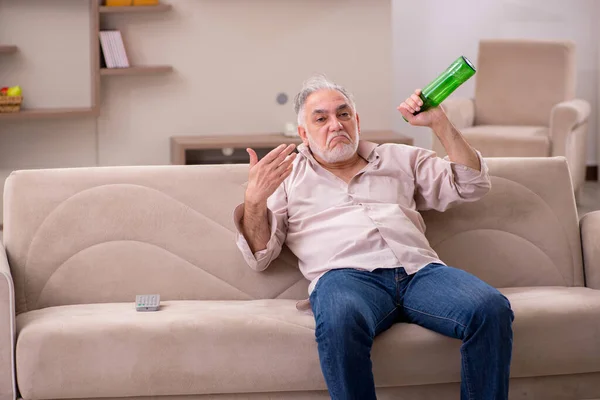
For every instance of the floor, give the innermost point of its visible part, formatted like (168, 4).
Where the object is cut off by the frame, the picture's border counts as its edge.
(588, 201)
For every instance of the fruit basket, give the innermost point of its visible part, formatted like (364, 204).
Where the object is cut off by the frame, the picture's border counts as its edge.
(10, 103)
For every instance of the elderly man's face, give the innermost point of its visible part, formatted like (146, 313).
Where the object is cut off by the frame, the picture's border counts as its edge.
(331, 126)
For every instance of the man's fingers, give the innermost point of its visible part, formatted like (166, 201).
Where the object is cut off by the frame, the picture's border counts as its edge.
(412, 104)
(273, 154)
(407, 107)
(417, 100)
(286, 162)
(253, 157)
(406, 113)
(287, 173)
(284, 154)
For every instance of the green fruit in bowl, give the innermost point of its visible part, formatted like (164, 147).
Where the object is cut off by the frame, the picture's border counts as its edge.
(14, 91)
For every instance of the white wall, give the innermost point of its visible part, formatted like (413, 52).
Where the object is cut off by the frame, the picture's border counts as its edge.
(52, 64)
(53, 67)
(231, 59)
(428, 35)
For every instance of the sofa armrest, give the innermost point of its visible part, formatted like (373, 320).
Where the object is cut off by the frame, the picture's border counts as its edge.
(564, 118)
(590, 232)
(8, 389)
(460, 111)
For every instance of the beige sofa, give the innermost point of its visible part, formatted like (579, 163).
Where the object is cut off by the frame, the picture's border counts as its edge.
(81, 243)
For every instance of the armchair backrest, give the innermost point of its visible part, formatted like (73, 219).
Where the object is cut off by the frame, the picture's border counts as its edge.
(519, 81)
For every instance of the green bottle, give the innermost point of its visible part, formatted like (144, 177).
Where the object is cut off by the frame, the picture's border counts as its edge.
(441, 87)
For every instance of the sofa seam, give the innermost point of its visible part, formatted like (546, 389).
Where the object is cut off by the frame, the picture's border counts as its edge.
(149, 244)
(555, 267)
(50, 212)
(572, 251)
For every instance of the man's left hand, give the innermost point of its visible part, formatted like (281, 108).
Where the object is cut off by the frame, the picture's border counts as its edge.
(427, 118)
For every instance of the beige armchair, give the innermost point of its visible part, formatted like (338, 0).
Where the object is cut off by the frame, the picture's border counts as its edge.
(524, 104)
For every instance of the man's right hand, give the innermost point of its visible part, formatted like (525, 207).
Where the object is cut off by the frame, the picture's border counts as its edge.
(266, 175)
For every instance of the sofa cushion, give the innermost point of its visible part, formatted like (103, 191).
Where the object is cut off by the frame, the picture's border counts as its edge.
(509, 141)
(199, 347)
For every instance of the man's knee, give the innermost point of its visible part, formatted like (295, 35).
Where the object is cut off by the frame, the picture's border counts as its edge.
(493, 309)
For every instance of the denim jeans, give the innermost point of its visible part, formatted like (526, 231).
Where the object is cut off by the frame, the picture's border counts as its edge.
(351, 307)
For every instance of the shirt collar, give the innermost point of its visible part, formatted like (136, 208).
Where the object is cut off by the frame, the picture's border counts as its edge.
(365, 149)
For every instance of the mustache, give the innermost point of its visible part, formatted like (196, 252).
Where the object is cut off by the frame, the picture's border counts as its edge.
(336, 134)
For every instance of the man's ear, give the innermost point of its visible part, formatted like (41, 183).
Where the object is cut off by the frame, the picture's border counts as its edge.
(358, 122)
(302, 134)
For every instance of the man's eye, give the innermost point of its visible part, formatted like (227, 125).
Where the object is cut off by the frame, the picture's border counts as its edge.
(345, 115)
(322, 119)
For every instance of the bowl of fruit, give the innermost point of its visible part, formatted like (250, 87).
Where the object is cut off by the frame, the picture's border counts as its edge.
(10, 99)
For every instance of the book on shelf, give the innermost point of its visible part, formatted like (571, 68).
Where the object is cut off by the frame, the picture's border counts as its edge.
(113, 49)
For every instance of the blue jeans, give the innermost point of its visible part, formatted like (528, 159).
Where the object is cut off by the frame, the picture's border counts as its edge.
(351, 307)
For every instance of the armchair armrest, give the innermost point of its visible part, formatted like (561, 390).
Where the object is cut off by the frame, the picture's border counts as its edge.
(8, 390)
(460, 111)
(590, 232)
(564, 118)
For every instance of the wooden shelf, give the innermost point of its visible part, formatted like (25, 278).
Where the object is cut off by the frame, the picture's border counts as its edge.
(7, 49)
(135, 9)
(137, 70)
(42, 113)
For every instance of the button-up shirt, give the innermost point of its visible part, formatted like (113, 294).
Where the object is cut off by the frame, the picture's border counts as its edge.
(370, 222)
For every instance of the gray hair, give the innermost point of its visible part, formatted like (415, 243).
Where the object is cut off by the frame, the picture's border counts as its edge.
(314, 84)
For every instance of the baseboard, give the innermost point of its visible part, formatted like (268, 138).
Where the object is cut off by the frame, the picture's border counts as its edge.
(591, 173)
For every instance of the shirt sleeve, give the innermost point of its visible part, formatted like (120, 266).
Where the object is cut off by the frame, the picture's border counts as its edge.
(441, 183)
(278, 223)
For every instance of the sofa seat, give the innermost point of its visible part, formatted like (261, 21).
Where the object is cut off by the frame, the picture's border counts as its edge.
(509, 141)
(201, 347)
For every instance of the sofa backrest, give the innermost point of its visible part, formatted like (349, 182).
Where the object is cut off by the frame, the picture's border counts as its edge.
(518, 81)
(93, 235)
(524, 232)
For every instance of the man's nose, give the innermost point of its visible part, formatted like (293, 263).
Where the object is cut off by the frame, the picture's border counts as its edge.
(335, 125)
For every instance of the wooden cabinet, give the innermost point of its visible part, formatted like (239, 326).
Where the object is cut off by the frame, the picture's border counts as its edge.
(231, 149)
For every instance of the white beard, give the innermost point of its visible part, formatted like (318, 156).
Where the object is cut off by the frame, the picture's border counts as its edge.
(341, 152)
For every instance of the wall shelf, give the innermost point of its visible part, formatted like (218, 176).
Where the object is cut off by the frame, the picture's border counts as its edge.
(137, 70)
(135, 9)
(7, 49)
(41, 113)
(97, 73)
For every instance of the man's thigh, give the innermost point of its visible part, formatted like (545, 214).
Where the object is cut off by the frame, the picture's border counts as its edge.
(348, 296)
(446, 299)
